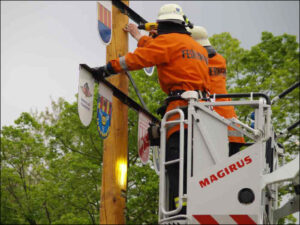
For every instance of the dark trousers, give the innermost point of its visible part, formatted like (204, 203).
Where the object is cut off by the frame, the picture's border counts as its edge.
(234, 148)
(172, 153)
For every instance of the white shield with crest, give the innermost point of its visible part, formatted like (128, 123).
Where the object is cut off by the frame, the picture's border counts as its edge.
(85, 96)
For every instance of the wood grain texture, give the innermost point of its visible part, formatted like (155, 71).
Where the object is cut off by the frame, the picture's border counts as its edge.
(115, 147)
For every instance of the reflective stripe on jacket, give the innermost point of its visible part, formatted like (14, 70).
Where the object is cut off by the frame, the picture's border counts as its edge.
(217, 73)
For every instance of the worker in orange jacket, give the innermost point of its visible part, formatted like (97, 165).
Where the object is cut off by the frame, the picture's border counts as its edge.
(217, 73)
(181, 65)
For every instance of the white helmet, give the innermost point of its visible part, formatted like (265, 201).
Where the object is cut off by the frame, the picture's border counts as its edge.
(170, 12)
(200, 35)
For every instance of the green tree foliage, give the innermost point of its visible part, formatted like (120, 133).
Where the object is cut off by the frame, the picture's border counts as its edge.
(51, 169)
(74, 172)
(51, 164)
(142, 192)
(22, 151)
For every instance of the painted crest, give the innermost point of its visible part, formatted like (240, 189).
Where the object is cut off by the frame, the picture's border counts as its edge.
(105, 21)
(149, 70)
(104, 110)
(86, 90)
(85, 96)
(143, 138)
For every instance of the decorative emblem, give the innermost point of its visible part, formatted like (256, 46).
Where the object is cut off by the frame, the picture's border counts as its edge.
(105, 21)
(85, 96)
(104, 109)
(86, 90)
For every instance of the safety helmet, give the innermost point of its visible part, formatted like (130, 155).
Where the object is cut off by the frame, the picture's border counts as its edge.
(200, 35)
(171, 13)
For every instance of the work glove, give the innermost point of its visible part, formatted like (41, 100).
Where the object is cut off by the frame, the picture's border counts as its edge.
(100, 73)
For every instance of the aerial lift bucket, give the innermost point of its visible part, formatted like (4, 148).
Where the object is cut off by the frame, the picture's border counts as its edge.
(241, 189)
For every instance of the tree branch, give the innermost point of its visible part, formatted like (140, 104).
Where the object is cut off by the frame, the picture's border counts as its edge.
(73, 150)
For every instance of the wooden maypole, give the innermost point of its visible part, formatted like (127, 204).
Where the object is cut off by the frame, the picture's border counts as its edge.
(115, 148)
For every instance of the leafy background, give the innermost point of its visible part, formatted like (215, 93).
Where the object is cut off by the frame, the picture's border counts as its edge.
(51, 165)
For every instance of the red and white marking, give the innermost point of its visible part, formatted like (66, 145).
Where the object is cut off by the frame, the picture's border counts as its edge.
(225, 219)
(143, 138)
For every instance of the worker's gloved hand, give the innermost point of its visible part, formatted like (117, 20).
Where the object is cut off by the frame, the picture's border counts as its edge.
(99, 73)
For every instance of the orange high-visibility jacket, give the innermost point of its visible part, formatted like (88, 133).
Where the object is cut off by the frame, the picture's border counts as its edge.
(144, 40)
(217, 73)
(181, 64)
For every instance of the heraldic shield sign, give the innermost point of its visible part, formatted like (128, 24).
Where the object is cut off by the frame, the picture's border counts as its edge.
(104, 110)
(85, 96)
(105, 21)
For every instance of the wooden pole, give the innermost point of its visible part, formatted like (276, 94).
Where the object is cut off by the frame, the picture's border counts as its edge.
(115, 147)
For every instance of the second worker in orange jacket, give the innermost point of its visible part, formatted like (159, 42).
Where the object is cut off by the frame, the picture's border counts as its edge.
(217, 74)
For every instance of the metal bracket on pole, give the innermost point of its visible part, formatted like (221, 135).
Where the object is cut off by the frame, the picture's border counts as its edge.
(129, 12)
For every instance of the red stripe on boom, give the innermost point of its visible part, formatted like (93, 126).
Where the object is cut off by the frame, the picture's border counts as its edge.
(242, 219)
(205, 219)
